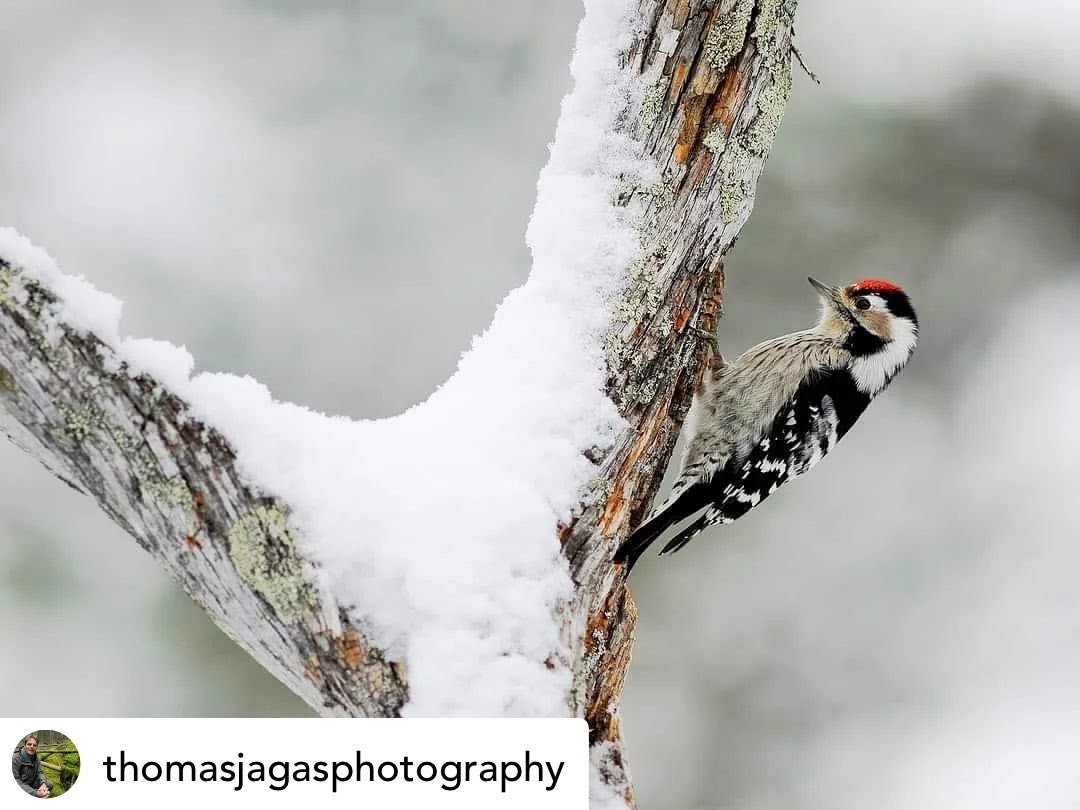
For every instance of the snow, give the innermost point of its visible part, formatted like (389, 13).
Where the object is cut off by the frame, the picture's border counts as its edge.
(168, 364)
(82, 307)
(438, 526)
(607, 791)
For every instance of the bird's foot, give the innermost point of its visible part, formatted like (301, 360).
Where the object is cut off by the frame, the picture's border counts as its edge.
(713, 358)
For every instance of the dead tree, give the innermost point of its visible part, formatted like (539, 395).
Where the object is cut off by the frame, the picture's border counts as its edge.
(702, 86)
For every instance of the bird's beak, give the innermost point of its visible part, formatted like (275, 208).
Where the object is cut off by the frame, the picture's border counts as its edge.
(831, 294)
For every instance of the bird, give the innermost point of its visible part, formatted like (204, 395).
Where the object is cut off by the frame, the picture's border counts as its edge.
(776, 410)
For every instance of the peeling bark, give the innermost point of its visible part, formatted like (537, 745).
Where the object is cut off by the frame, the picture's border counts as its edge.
(717, 76)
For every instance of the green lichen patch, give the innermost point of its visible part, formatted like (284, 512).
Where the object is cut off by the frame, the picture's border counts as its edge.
(82, 421)
(261, 547)
(7, 286)
(128, 445)
(37, 297)
(646, 389)
(768, 21)
(7, 382)
(640, 280)
(652, 105)
(171, 491)
(737, 189)
(642, 296)
(613, 345)
(661, 195)
(88, 422)
(771, 105)
(727, 35)
(715, 140)
(16, 290)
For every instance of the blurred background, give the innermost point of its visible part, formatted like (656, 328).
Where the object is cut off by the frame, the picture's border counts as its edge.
(332, 197)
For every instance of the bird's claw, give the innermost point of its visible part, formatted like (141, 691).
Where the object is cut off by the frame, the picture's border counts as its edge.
(712, 356)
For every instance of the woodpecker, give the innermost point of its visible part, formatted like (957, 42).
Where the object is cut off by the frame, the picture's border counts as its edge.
(775, 411)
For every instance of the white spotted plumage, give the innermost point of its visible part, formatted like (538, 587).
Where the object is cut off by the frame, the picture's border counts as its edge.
(778, 409)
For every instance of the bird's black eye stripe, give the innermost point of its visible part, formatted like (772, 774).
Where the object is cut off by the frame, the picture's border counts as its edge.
(862, 303)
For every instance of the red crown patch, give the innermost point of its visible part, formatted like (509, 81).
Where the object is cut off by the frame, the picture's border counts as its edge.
(876, 285)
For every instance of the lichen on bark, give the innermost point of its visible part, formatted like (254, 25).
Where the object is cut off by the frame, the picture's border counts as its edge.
(262, 549)
(727, 34)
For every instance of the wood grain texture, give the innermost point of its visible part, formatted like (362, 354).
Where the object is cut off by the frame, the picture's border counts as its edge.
(717, 77)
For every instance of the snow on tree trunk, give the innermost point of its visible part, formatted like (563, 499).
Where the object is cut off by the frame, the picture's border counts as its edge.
(456, 559)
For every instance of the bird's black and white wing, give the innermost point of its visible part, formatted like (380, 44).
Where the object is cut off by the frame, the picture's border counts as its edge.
(801, 434)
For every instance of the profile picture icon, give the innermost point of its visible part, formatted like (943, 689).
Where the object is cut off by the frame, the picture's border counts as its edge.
(45, 764)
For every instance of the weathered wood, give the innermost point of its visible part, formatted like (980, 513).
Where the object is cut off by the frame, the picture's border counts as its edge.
(714, 79)
(171, 483)
(717, 75)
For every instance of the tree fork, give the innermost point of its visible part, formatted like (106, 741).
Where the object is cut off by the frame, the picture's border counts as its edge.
(714, 80)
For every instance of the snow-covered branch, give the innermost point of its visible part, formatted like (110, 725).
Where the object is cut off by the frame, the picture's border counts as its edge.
(114, 432)
(456, 559)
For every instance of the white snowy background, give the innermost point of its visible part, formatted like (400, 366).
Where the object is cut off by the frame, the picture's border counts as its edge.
(332, 197)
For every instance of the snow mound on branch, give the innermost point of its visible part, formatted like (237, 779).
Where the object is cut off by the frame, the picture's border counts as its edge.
(81, 305)
(438, 527)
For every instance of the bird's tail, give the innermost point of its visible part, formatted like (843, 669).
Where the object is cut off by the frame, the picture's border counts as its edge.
(692, 499)
(690, 532)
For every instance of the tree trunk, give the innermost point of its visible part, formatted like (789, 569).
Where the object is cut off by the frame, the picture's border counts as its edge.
(708, 82)
(718, 76)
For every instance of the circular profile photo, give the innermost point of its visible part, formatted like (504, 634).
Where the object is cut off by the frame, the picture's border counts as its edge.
(45, 764)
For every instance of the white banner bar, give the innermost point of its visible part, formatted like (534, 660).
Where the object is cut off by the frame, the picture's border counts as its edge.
(268, 763)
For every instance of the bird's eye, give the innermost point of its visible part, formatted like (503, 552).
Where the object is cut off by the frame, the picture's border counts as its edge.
(862, 303)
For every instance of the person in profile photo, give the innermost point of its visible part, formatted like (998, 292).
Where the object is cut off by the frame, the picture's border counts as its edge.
(26, 768)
